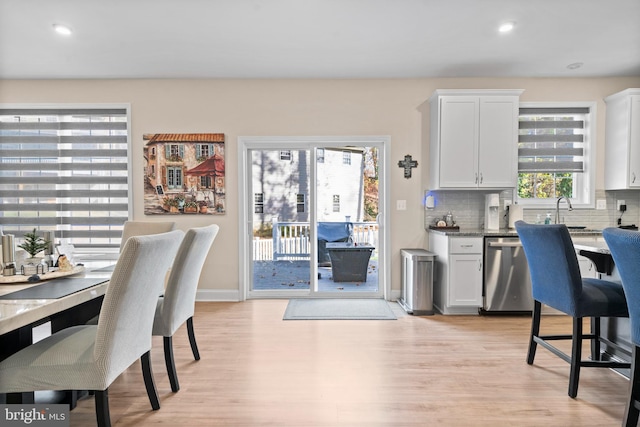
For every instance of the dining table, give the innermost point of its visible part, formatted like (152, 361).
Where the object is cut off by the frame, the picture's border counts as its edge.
(60, 302)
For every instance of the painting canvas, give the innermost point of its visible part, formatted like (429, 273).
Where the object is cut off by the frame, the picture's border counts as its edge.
(184, 174)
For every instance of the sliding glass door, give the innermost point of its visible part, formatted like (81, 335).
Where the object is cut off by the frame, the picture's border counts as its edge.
(312, 210)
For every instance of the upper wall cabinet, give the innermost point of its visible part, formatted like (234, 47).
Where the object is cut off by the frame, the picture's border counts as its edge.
(622, 144)
(474, 139)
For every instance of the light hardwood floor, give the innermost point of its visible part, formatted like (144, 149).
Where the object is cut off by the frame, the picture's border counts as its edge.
(258, 370)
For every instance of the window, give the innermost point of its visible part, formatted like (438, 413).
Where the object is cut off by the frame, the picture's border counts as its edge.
(174, 152)
(336, 203)
(203, 151)
(65, 170)
(258, 203)
(300, 203)
(285, 155)
(346, 158)
(206, 182)
(174, 177)
(555, 157)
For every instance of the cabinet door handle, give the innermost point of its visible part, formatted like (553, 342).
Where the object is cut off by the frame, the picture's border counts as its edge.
(481, 179)
(633, 177)
(476, 177)
(479, 265)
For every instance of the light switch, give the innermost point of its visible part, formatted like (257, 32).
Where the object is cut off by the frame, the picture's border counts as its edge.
(601, 204)
(401, 205)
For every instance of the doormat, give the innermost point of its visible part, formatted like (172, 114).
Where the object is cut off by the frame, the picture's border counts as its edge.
(338, 309)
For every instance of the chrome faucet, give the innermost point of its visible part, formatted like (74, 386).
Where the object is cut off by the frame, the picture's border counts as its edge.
(558, 207)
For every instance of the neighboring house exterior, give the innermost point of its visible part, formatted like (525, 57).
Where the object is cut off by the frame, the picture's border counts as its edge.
(280, 185)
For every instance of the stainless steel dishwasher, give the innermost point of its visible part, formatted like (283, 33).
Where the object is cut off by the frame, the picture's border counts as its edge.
(507, 284)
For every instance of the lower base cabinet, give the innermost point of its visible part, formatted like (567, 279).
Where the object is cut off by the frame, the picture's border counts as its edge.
(457, 286)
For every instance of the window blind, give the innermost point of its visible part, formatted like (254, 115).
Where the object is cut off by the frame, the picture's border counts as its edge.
(551, 140)
(65, 170)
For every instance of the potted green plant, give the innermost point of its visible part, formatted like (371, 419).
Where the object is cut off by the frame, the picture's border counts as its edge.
(170, 204)
(33, 245)
(181, 200)
(191, 207)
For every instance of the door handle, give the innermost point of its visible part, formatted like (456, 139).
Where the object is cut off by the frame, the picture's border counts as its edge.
(476, 177)
(517, 244)
(481, 178)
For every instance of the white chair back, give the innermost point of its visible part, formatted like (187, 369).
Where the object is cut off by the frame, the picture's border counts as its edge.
(126, 317)
(180, 293)
(144, 228)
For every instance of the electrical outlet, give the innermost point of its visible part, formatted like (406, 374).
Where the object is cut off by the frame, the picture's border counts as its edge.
(620, 203)
(401, 205)
(601, 204)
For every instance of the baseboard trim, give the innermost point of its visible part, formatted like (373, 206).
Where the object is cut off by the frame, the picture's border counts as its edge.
(234, 295)
(217, 295)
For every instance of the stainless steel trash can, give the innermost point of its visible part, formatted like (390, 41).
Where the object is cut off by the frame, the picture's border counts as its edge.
(417, 281)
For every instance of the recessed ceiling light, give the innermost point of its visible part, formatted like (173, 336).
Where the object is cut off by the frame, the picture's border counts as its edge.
(575, 65)
(506, 27)
(62, 29)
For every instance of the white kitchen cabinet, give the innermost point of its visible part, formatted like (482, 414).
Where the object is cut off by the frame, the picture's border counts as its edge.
(457, 287)
(622, 141)
(474, 139)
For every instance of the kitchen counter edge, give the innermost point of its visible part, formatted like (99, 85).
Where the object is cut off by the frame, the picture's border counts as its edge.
(503, 232)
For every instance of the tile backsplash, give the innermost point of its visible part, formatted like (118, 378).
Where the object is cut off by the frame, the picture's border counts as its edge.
(467, 208)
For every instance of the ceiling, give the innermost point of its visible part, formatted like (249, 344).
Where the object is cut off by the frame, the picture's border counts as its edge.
(318, 38)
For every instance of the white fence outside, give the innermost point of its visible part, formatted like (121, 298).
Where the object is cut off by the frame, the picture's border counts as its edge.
(291, 240)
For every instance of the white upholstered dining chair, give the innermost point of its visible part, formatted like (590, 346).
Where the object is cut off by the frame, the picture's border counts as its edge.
(177, 305)
(144, 228)
(91, 357)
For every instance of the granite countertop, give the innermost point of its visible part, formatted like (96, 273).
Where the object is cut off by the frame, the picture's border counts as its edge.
(504, 232)
(597, 247)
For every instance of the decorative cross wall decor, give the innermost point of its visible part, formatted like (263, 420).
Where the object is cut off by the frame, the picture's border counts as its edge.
(407, 164)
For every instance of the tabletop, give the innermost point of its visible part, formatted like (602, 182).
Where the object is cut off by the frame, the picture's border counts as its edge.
(17, 313)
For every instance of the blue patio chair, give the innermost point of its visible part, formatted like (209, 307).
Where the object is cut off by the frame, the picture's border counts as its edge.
(556, 282)
(625, 249)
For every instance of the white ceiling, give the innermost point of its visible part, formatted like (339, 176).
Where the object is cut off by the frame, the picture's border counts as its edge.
(318, 38)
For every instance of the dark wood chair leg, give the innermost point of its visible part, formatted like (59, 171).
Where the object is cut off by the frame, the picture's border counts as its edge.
(28, 397)
(631, 413)
(71, 397)
(147, 374)
(535, 331)
(576, 357)
(169, 362)
(102, 408)
(595, 343)
(192, 339)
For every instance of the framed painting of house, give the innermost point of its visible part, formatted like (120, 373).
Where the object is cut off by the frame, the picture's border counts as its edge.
(184, 174)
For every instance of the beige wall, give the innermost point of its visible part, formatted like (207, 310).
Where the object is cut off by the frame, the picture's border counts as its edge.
(297, 107)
